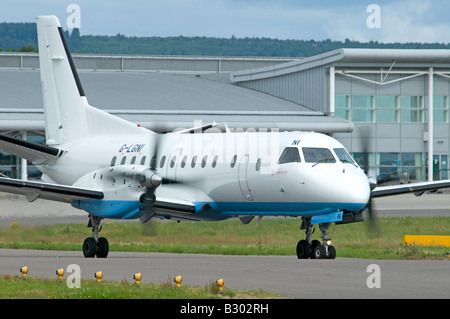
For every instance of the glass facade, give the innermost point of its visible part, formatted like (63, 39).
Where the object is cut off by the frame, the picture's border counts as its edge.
(391, 108)
(394, 167)
(10, 164)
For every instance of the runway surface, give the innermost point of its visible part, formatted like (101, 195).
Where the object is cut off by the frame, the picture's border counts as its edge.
(283, 275)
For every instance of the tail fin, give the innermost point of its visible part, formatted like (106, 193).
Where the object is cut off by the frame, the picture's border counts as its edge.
(68, 116)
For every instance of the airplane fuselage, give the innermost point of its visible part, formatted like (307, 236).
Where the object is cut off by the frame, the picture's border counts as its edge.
(223, 174)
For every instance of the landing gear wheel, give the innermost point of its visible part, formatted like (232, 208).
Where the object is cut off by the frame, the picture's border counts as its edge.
(331, 252)
(89, 247)
(102, 247)
(303, 249)
(320, 252)
(314, 244)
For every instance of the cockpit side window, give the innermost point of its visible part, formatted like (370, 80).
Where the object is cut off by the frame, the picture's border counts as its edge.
(289, 155)
(343, 155)
(318, 155)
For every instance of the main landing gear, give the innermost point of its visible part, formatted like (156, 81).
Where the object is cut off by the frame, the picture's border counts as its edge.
(95, 246)
(307, 248)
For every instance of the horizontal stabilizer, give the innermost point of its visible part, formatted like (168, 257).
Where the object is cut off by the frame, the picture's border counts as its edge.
(34, 152)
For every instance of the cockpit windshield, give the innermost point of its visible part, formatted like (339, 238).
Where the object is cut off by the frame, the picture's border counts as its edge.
(343, 155)
(318, 155)
(289, 155)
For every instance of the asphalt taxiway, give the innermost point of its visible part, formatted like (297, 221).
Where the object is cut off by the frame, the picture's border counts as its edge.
(287, 276)
(283, 275)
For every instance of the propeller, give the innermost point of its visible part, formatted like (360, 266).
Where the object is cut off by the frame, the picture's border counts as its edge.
(150, 179)
(366, 133)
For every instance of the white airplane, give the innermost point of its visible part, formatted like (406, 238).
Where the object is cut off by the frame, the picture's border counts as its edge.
(114, 169)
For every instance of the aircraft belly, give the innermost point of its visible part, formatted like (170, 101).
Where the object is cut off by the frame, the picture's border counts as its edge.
(113, 209)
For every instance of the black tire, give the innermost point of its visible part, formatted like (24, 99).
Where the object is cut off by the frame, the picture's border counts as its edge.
(303, 249)
(102, 247)
(331, 252)
(320, 252)
(89, 247)
(314, 244)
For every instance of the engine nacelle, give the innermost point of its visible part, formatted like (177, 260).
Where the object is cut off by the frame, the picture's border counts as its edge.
(149, 178)
(120, 176)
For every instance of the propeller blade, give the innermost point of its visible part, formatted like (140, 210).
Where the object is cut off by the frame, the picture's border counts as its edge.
(373, 227)
(366, 138)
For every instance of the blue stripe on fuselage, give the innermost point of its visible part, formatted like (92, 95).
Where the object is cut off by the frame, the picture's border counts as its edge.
(218, 210)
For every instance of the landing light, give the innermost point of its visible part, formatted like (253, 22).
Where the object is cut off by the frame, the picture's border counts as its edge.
(329, 242)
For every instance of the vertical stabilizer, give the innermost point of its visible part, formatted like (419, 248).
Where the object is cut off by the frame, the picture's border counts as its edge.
(68, 116)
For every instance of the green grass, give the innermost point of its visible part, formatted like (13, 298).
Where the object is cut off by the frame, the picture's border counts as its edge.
(273, 236)
(13, 287)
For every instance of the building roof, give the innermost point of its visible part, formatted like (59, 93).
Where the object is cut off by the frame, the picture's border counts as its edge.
(162, 102)
(340, 57)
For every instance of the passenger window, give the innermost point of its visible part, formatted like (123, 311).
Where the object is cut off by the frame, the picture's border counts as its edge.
(233, 161)
(172, 162)
(205, 158)
(289, 155)
(153, 162)
(124, 159)
(143, 160)
(343, 155)
(183, 162)
(214, 163)
(113, 161)
(194, 161)
(318, 155)
(161, 163)
(258, 164)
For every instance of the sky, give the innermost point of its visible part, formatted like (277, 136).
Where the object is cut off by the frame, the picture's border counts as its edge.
(423, 21)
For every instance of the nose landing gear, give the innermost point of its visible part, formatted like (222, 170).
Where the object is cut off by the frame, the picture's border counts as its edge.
(307, 248)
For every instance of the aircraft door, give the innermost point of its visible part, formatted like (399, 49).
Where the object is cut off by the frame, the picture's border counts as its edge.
(242, 176)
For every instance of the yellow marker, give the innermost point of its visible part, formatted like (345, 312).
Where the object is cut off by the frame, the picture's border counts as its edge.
(60, 273)
(426, 240)
(99, 276)
(24, 271)
(138, 278)
(220, 283)
(178, 281)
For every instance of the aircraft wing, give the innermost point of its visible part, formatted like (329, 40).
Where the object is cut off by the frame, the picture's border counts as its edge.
(34, 190)
(416, 188)
(36, 153)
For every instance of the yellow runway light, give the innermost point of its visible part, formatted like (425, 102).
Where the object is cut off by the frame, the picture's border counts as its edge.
(178, 281)
(137, 277)
(60, 273)
(99, 276)
(24, 271)
(220, 283)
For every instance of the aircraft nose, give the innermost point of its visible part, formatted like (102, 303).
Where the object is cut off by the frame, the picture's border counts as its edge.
(353, 188)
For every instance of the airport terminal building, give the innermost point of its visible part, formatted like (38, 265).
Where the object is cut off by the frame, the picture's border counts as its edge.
(390, 108)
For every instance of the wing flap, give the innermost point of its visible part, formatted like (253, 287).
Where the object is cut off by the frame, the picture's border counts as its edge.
(34, 190)
(171, 208)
